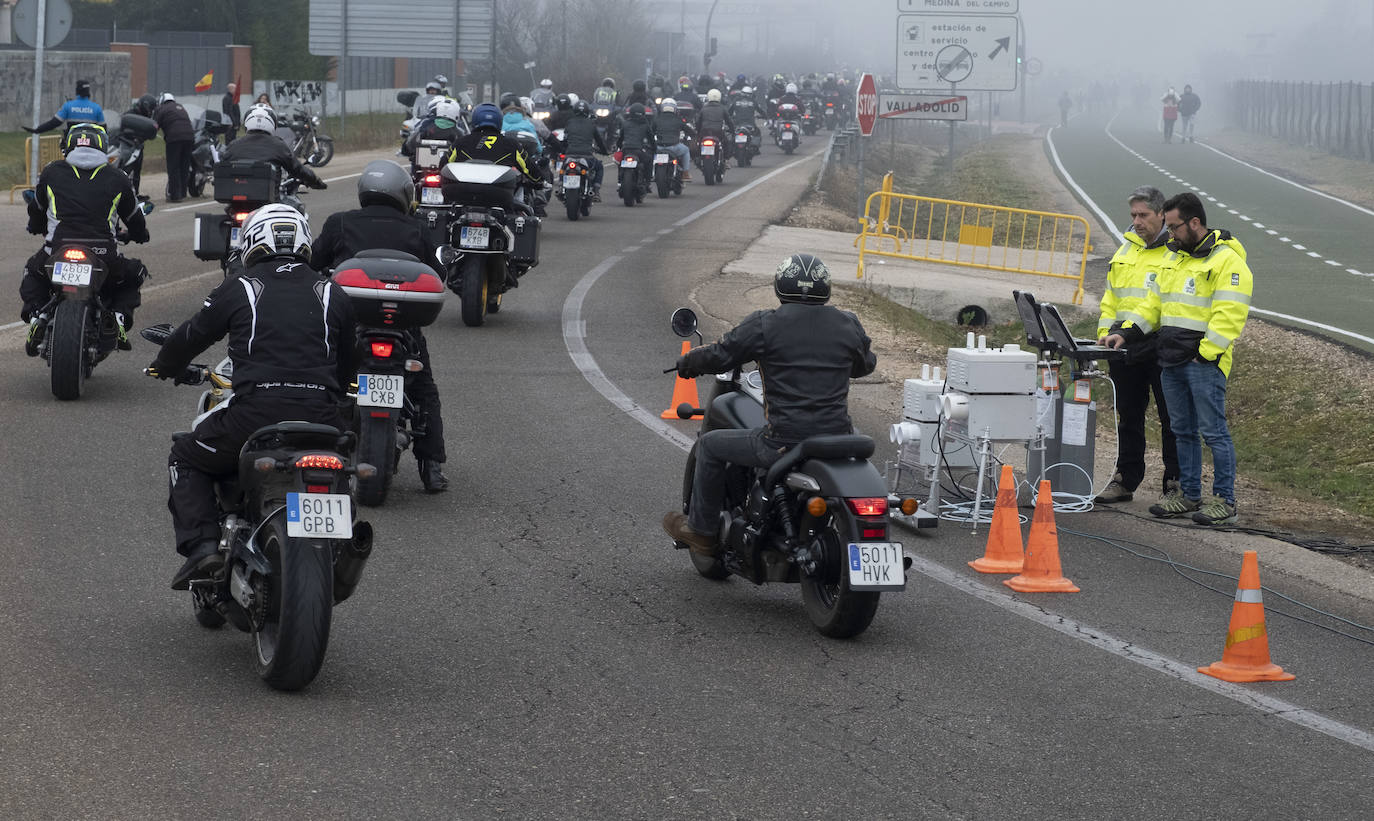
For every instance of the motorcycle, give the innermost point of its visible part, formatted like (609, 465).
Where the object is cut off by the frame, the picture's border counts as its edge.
(492, 241)
(392, 294)
(126, 144)
(712, 159)
(667, 175)
(242, 186)
(817, 517)
(829, 116)
(746, 145)
(293, 548)
(632, 185)
(407, 100)
(788, 128)
(210, 129)
(305, 140)
(75, 330)
(811, 117)
(606, 122)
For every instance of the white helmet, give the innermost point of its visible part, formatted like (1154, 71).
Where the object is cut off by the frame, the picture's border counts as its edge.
(527, 106)
(573, 98)
(747, 90)
(275, 230)
(546, 83)
(166, 97)
(448, 109)
(713, 96)
(259, 118)
(668, 105)
(791, 88)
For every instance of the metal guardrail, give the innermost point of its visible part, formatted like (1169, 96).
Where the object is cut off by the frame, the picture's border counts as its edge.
(975, 235)
(840, 140)
(49, 150)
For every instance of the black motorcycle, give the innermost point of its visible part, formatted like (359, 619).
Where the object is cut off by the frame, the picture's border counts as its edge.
(632, 183)
(746, 144)
(292, 546)
(393, 293)
(667, 174)
(308, 144)
(817, 517)
(573, 184)
(711, 150)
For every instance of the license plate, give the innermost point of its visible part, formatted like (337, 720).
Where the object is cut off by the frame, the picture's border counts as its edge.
(234, 236)
(381, 390)
(71, 273)
(660, 159)
(876, 566)
(572, 181)
(629, 162)
(788, 135)
(708, 150)
(471, 237)
(741, 139)
(319, 515)
(431, 196)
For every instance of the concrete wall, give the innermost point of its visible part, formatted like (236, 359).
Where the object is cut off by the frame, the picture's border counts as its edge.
(108, 72)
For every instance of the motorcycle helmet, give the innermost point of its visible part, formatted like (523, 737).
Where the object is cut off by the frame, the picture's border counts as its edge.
(684, 83)
(486, 115)
(741, 79)
(166, 98)
(638, 85)
(608, 83)
(747, 90)
(573, 97)
(564, 102)
(791, 88)
(433, 87)
(527, 106)
(713, 96)
(778, 79)
(448, 108)
(806, 84)
(259, 118)
(508, 101)
(546, 83)
(86, 135)
(582, 108)
(145, 105)
(385, 183)
(802, 278)
(83, 88)
(275, 230)
(636, 111)
(669, 106)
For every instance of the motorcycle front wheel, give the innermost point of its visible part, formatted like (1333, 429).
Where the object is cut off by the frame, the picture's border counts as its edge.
(474, 296)
(68, 358)
(323, 153)
(835, 609)
(291, 641)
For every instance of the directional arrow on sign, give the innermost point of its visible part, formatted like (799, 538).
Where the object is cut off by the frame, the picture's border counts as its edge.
(1003, 43)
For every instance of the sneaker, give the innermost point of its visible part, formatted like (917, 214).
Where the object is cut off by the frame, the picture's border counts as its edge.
(202, 562)
(1173, 503)
(1217, 511)
(675, 525)
(432, 476)
(1114, 492)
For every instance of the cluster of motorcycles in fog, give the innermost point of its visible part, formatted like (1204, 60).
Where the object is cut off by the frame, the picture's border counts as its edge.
(294, 544)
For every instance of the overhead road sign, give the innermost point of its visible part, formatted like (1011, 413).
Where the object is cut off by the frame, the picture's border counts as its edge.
(922, 107)
(433, 29)
(975, 52)
(960, 6)
(866, 104)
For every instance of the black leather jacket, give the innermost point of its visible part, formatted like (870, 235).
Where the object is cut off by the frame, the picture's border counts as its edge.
(807, 354)
(636, 135)
(583, 138)
(372, 226)
(260, 147)
(713, 117)
(668, 127)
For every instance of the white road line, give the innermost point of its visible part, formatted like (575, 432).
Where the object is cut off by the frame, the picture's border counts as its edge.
(1259, 225)
(1284, 239)
(1332, 262)
(1346, 203)
(1300, 246)
(1221, 205)
(1269, 231)
(1356, 273)
(1083, 195)
(1312, 254)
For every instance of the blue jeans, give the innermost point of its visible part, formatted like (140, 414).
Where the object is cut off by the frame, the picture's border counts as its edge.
(716, 450)
(1196, 396)
(680, 152)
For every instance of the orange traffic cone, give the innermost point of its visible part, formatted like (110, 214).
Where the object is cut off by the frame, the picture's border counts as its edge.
(684, 390)
(1246, 657)
(1042, 573)
(1004, 553)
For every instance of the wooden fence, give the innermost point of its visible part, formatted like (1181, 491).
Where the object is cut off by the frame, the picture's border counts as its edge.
(1334, 117)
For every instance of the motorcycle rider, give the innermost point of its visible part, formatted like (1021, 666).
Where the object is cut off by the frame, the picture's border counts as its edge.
(513, 118)
(82, 196)
(291, 341)
(713, 120)
(80, 110)
(637, 136)
(260, 144)
(668, 128)
(740, 82)
(789, 97)
(743, 109)
(444, 122)
(143, 107)
(542, 97)
(487, 143)
(807, 352)
(563, 111)
(584, 140)
(605, 95)
(639, 93)
(433, 89)
(385, 195)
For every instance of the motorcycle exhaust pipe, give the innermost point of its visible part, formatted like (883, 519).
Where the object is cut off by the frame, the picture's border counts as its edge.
(353, 556)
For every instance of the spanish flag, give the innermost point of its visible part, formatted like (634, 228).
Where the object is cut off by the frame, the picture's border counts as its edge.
(206, 83)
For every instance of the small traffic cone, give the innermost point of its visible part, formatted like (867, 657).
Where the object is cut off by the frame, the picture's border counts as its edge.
(1042, 573)
(1004, 553)
(1246, 657)
(684, 390)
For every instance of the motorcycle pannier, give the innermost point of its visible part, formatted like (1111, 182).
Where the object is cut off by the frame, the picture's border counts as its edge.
(136, 124)
(211, 237)
(250, 182)
(391, 289)
(526, 250)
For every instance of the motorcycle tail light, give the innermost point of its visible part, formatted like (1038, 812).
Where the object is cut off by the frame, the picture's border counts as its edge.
(869, 506)
(431, 180)
(317, 488)
(240, 216)
(873, 533)
(320, 461)
(74, 254)
(382, 350)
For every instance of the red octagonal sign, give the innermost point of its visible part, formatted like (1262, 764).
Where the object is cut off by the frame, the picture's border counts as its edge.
(867, 105)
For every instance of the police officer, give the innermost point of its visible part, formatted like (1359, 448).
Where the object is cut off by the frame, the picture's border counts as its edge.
(807, 352)
(80, 110)
(83, 196)
(260, 144)
(385, 194)
(291, 340)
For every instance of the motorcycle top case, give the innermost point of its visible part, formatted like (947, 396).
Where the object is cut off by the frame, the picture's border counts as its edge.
(479, 183)
(137, 125)
(391, 289)
(246, 182)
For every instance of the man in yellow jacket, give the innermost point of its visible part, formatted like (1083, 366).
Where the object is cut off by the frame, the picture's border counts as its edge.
(1134, 268)
(1199, 304)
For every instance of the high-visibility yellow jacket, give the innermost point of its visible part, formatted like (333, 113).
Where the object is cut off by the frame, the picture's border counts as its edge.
(1134, 268)
(1199, 303)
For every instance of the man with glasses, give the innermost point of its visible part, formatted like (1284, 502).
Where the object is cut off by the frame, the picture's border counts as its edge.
(1199, 303)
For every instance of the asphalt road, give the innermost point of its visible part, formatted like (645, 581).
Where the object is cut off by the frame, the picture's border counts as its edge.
(1312, 255)
(529, 646)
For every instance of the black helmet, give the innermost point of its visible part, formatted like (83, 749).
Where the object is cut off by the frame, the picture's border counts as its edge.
(802, 278)
(146, 104)
(564, 102)
(636, 111)
(638, 85)
(705, 80)
(582, 108)
(385, 183)
(508, 100)
(86, 135)
(608, 82)
(83, 88)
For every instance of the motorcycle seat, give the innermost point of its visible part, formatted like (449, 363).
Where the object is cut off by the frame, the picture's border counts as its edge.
(838, 446)
(385, 253)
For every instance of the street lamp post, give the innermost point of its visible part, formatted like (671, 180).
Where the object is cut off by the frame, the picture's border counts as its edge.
(706, 47)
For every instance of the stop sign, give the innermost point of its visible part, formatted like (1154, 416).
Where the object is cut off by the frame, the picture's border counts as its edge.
(867, 105)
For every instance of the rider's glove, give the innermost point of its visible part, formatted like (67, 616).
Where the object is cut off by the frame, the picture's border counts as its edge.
(155, 371)
(319, 185)
(685, 370)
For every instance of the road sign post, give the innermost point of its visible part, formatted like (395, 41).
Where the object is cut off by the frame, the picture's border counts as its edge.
(866, 109)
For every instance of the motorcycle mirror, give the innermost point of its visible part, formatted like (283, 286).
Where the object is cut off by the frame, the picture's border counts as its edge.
(407, 98)
(447, 255)
(145, 207)
(684, 322)
(157, 334)
(29, 196)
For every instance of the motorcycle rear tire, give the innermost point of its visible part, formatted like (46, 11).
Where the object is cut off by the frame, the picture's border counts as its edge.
(573, 199)
(789, 148)
(474, 296)
(744, 158)
(708, 566)
(662, 181)
(376, 447)
(68, 354)
(323, 153)
(629, 187)
(708, 169)
(195, 186)
(291, 643)
(835, 609)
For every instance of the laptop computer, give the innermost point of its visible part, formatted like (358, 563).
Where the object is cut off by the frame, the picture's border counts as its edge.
(1030, 317)
(1080, 349)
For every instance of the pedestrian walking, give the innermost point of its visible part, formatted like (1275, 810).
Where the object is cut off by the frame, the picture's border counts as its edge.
(1170, 101)
(1134, 270)
(180, 136)
(1188, 106)
(1199, 304)
(233, 118)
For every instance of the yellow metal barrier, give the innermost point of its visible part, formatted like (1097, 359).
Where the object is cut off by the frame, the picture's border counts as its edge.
(49, 150)
(1037, 243)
